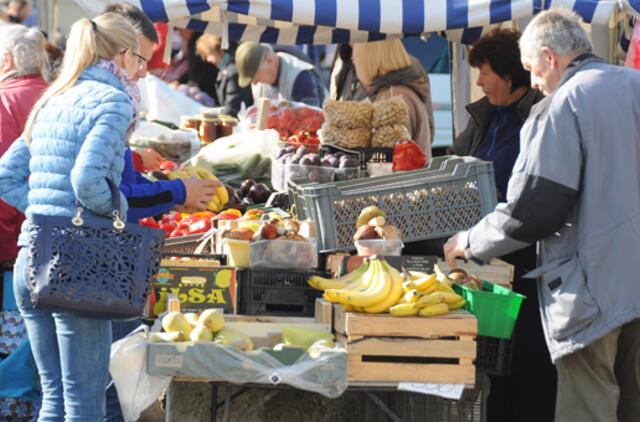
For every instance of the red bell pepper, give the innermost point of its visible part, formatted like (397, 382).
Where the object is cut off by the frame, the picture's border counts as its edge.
(201, 226)
(407, 155)
(168, 226)
(149, 222)
(227, 216)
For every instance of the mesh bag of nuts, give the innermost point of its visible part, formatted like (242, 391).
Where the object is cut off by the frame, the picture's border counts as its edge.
(388, 112)
(348, 114)
(387, 136)
(347, 138)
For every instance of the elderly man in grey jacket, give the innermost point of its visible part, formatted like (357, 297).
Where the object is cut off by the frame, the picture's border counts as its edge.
(575, 188)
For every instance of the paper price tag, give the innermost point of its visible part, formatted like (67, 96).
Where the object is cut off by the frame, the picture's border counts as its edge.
(448, 391)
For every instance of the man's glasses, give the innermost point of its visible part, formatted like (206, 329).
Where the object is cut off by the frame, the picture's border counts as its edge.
(141, 60)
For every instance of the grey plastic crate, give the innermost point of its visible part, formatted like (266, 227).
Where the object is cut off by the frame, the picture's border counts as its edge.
(450, 195)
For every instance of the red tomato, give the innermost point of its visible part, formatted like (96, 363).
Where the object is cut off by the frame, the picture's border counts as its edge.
(166, 165)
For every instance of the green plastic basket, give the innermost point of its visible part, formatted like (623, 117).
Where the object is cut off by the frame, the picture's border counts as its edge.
(495, 307)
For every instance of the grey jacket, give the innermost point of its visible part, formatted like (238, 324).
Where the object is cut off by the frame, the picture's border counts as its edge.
(575, 188)
(481, 113)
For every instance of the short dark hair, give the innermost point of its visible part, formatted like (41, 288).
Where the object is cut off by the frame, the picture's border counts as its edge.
(136, 17)
(500, 50)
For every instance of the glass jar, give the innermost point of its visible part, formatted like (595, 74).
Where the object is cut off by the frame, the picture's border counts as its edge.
(190, 122)
(227, 123)
(208, 129)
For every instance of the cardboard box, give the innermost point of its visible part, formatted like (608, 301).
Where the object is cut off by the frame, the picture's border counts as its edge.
(198, 287)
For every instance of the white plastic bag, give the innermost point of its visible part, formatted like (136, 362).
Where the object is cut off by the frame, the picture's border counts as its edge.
(165, 103)
(136, 389)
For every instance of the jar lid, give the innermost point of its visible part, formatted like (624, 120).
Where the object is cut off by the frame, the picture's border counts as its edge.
(191, 118)
(210, 119)
(225, 118)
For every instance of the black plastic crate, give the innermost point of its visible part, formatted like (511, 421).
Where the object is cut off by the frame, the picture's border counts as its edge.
(494, 355)
(374, 155)
(277, 292)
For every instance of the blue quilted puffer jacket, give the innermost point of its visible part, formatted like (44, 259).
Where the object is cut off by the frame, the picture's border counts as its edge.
(76, 142)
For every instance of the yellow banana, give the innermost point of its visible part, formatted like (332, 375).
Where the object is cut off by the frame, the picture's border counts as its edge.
(394, 294)
(347, 308)
(204, 174)
(408, 285)
(425, 284)
(404, 309)
(377, 291)
(449, 298)
(415, 275)
(457, 305)
(411, 296)
(192, 171)
(322, 283)
(214, 205)
(434, 310)
(442, 278)
(430, 299)
(177, 174)
(444, 287)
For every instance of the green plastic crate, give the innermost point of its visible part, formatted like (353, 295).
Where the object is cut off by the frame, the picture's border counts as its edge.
(495, 307)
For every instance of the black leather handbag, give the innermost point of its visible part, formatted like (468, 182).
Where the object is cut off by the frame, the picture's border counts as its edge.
(92, 266)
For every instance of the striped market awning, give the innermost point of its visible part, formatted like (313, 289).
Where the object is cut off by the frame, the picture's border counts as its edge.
(333, 21)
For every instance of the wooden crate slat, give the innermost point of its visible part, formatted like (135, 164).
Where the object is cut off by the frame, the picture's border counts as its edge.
(456, 323)
(397, 346)
(357, 370)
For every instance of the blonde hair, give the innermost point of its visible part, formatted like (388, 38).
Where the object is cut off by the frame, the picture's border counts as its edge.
(207, 43)
(375, 59)
(104, 37)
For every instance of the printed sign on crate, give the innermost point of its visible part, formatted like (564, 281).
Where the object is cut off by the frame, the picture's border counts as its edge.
(197, 287)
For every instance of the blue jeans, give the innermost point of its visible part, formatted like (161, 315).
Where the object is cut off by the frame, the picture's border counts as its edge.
(120, 329)
(72, 356)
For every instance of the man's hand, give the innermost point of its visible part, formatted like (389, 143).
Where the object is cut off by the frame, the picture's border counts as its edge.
(199, 192)
(455, 247)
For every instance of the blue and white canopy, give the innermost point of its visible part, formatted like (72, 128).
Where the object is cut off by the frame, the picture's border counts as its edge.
(332, 21)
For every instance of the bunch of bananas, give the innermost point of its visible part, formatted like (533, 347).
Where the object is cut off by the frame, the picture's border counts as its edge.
(377, 287)
(218, 200)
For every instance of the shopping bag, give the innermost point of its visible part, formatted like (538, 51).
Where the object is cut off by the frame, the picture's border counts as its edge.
(136, 389)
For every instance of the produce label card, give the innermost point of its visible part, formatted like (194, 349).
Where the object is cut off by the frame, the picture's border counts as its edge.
(197, 288)
(423, 263)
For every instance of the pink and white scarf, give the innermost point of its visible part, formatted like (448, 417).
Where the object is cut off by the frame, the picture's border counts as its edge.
(132, 90)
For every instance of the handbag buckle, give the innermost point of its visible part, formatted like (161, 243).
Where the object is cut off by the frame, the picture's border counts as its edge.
(117, 222)
(77, 220)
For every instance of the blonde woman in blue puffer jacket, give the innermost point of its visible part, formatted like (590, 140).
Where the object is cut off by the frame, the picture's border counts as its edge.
(73, 140)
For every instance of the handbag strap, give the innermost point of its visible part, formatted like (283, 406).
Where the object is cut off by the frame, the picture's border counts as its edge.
(116, 207)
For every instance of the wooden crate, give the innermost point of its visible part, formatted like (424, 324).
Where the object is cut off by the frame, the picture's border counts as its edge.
(386, 348)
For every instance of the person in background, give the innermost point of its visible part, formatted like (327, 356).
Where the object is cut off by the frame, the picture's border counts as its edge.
(281, 75)
(146, 198)
(345, 86)
(230, 94)
(156, 65)
(493, 134)
(73, 141)
(575, 190)
(24, 72)
(19, 10)
(384, 69)
(199, 72)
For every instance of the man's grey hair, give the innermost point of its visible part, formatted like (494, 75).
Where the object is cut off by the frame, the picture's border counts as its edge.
(267, 50)
(27, 47)
(558, 29)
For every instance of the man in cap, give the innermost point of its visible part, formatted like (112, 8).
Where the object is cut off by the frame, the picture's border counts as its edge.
(278, 75)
